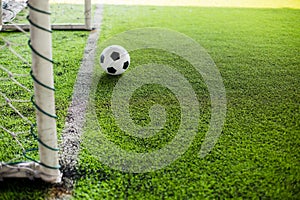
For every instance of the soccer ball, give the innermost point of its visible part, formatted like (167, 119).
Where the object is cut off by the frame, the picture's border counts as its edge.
(115, 60)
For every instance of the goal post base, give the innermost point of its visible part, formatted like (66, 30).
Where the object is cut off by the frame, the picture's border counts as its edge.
(31, 170)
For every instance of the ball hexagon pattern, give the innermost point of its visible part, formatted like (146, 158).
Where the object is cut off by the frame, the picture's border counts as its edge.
(115, 60)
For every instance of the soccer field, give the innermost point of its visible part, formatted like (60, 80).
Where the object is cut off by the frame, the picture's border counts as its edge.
(256, 51)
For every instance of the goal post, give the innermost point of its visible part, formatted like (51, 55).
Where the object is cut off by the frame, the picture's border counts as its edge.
(38, 158)
(47, 168)
(1, 15)
(42, 73)
(88, 14)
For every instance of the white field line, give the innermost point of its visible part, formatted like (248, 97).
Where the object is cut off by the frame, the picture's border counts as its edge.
(70, 145)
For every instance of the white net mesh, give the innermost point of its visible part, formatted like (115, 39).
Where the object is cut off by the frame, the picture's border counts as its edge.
(18, 139)
(15, 92)
(63, 12)
(11, 9)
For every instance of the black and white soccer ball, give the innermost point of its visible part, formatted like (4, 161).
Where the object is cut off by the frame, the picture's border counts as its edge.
(115, 60)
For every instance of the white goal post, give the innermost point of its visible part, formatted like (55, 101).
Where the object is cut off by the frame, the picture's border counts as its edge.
(1, 15)
(42, 73)
(40, 43)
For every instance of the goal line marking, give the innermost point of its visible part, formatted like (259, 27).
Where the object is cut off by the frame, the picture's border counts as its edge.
(70, 145)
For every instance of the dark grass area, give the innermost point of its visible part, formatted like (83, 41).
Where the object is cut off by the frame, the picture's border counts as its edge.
(257, 155)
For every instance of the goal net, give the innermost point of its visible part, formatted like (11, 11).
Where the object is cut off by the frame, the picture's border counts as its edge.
(28, 138)
(14, 13)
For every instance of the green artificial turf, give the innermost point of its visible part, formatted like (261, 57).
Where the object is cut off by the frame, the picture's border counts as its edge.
(257, 155)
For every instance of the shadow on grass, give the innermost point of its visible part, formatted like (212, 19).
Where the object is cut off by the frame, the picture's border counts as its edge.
(14, 188)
